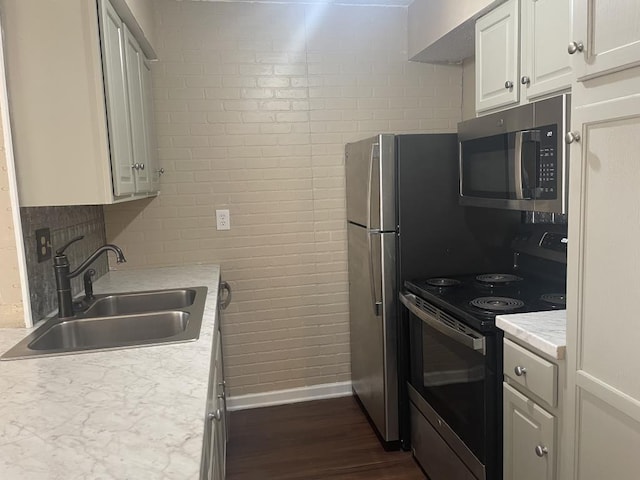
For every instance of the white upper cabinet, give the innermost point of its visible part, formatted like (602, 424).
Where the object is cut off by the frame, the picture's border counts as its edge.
(79, 102)
(546, 32)
(521, 52)
(606, 36)
(117, 100)
(139, 113)
(497, 45)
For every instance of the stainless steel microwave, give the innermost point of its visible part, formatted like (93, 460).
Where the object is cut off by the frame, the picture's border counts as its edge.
(517, 159)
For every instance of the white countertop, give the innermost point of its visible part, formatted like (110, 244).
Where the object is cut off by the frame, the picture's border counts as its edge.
(546, 331)
(123, 414)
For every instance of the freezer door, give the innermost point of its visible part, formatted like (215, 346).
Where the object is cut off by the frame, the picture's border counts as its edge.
(371, 179)
(373, 335)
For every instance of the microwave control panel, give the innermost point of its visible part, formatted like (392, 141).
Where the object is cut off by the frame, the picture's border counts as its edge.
(547, 181)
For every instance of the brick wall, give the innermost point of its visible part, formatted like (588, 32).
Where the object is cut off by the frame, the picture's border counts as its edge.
(254, 103)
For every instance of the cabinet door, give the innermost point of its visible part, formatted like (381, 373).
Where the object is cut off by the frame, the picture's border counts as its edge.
(529, 433)
(222, 408)
(113, 60)
(153, 168)
(497, 53)
(545, 64)
(610, 33)
(137, 111)
(604, 274)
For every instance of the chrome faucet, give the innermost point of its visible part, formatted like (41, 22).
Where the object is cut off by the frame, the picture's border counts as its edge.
(63, 275)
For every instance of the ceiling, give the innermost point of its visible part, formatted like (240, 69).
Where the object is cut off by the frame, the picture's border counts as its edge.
(388, 3)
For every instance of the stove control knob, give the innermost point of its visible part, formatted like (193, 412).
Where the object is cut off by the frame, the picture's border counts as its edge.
(520, 371)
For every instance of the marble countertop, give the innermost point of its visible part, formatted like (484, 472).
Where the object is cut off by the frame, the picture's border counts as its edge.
(545, 331)
(122, 414)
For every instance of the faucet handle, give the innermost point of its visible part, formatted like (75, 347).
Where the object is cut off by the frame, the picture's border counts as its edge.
(88, 284)
(61, 250)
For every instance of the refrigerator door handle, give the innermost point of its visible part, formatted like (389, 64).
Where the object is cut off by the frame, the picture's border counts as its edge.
(370, 200)
(374, 280)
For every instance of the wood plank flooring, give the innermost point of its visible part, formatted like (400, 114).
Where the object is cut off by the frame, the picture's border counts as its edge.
(325, 439)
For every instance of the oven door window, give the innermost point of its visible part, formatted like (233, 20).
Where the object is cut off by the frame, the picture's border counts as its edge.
(487, 167)
(452, 378)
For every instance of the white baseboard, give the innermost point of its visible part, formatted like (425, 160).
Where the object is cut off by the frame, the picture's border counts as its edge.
(292, 395)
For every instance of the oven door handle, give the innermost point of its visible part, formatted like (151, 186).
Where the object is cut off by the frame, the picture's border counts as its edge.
(475, 343)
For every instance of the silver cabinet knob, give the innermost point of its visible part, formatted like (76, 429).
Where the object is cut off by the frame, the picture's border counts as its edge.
(508, 84)
(160, 171)
(217, 415)
(142, 166)
(575, 47)
(136, 166)
(525, 80)
(571, 137)
(520, 371)
(541, 450)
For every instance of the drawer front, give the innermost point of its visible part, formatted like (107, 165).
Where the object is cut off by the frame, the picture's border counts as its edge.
(531, 371)
(432, 453)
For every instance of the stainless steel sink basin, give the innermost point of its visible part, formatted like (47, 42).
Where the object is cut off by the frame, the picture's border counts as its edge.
(111, 331)
(140, 302)
(122, 320)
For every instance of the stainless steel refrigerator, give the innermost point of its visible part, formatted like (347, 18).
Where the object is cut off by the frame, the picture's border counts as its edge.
(404, 222)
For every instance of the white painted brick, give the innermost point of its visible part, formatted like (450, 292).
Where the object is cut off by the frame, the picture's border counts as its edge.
(266, 140)
(223, 93)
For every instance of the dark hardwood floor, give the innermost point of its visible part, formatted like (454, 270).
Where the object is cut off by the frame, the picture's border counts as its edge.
(325, 439)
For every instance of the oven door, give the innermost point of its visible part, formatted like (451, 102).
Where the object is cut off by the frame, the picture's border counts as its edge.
(453, 382)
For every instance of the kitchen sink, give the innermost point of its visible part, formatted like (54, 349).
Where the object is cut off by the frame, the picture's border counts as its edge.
(120, 320)
(141, 302)
(108, 332)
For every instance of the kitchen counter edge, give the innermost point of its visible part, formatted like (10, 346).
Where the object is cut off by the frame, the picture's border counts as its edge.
(545, 331)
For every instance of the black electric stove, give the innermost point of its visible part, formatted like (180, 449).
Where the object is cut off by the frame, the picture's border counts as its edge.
(455, 349)
(476, 299)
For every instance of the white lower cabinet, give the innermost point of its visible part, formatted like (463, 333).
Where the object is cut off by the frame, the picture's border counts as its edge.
(214, 450)
(216, 431)
(532, 414)
(528, 438)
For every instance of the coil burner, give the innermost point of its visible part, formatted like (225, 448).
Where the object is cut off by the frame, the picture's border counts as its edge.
(442, 282)
(557, 300)
(498, 278)
(497, 304)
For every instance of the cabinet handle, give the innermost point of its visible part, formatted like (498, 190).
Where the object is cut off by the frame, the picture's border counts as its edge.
(541, 450)
(136, 166)
(575, 47)
(160, 171)
(508, 84)
(520, 371)
(525, 80)
(142, 166)
(217, 415)
(571, 137)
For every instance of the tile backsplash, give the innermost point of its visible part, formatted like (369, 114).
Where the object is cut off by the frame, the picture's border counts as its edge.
(65, 223)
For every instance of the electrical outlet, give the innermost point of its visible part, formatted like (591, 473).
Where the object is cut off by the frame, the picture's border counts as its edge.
(43, 244)
(223, 221)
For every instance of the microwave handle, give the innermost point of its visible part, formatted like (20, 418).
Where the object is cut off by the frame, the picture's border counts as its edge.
(520, 138)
